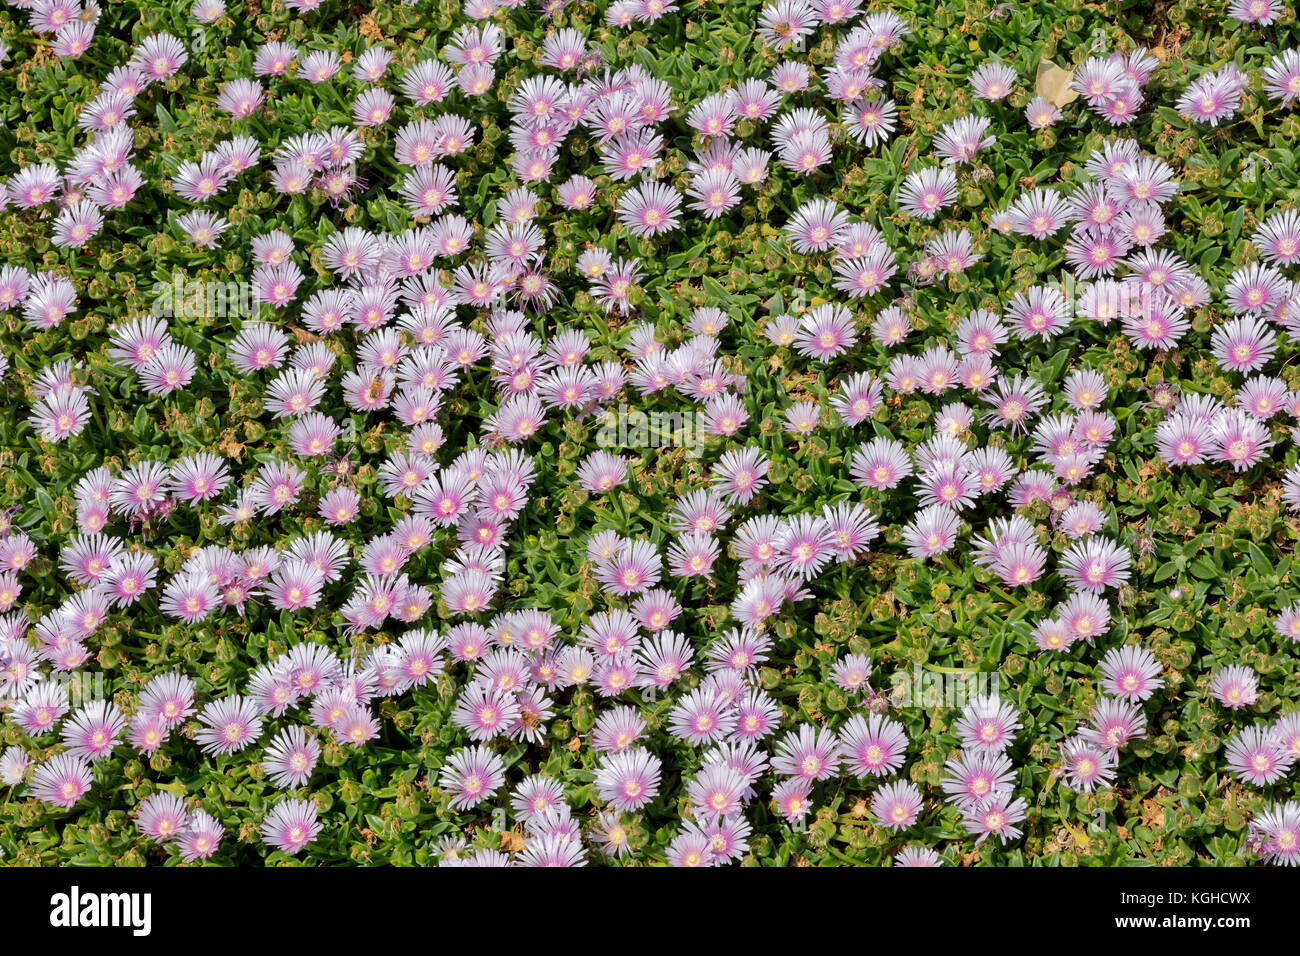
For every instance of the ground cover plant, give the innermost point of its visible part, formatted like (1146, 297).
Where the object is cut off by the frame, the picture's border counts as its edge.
(637, 433)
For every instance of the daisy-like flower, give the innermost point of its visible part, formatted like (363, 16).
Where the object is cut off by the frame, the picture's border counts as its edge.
(851, 527)
(742, 757)
(1239, 439)
(784, 22)
(1275, 834)
(656, 610)
(291, 825)
(816, 225)
(170, 368)
(617, 730)
(200, 838)
(33, 186)
(1263, 397)
(357, 725)
(791, 798)
(1092, 253)
(628, 779)
(663, 659)
(1114, 722)
(197, 478)
(858, 397)
(741, 473)
(809, 752)
(1184, 440)
(42, 708)
(537, 798)
(917, 856)
(1085, 389)
(649, 209)
(896, 805)
(229, 725)
(825, 332)
(712, 116)
(977, 777)
(601, 472)
(874, 745)
(993, 80)
(170, 697)
(690, 847)
(484, 712)
(1282, 77)
(988, 724)
(1014, 403)
(552, 849)
(1039, 213)
(804, 546)
(577, 193)
(1243, 344)
(1085, 615)
(1214, 97)
(1020, 564)
(129, 576)
(701, 717)
(728, 838)
(162, 817)
(15, 282)
(870, 122)
(277, 486)
(1095, 564)
(693, 555)
(159, 55)
(869, 274)
(636, 568)
(953, 252)
(1256, 289)
(77, 224)
(93, 731)
(470, 591)
(240, 97)
(881, 463)
(1100, 79)
(1287, 732)
(1234, 687)
(1132, 672)
(258, 346)
(1145, 180)
(518, 418)
(208, 11)
(1144, 225)
(996, 818)
(61, 414)
(1085, 766)
(944, 484)
(53, 15)
(717, 791)
(1041, 113)
(1287, 623)
(203, 228)
(932, 532)
(290, 757)
(963, 138)
(1255, 756)
(472, 775)
(924, 192)
(802, 418)
(201, 181)
(61, 781)
(891, 327)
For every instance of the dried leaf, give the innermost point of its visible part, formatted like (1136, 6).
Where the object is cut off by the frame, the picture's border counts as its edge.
(1053, 84)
